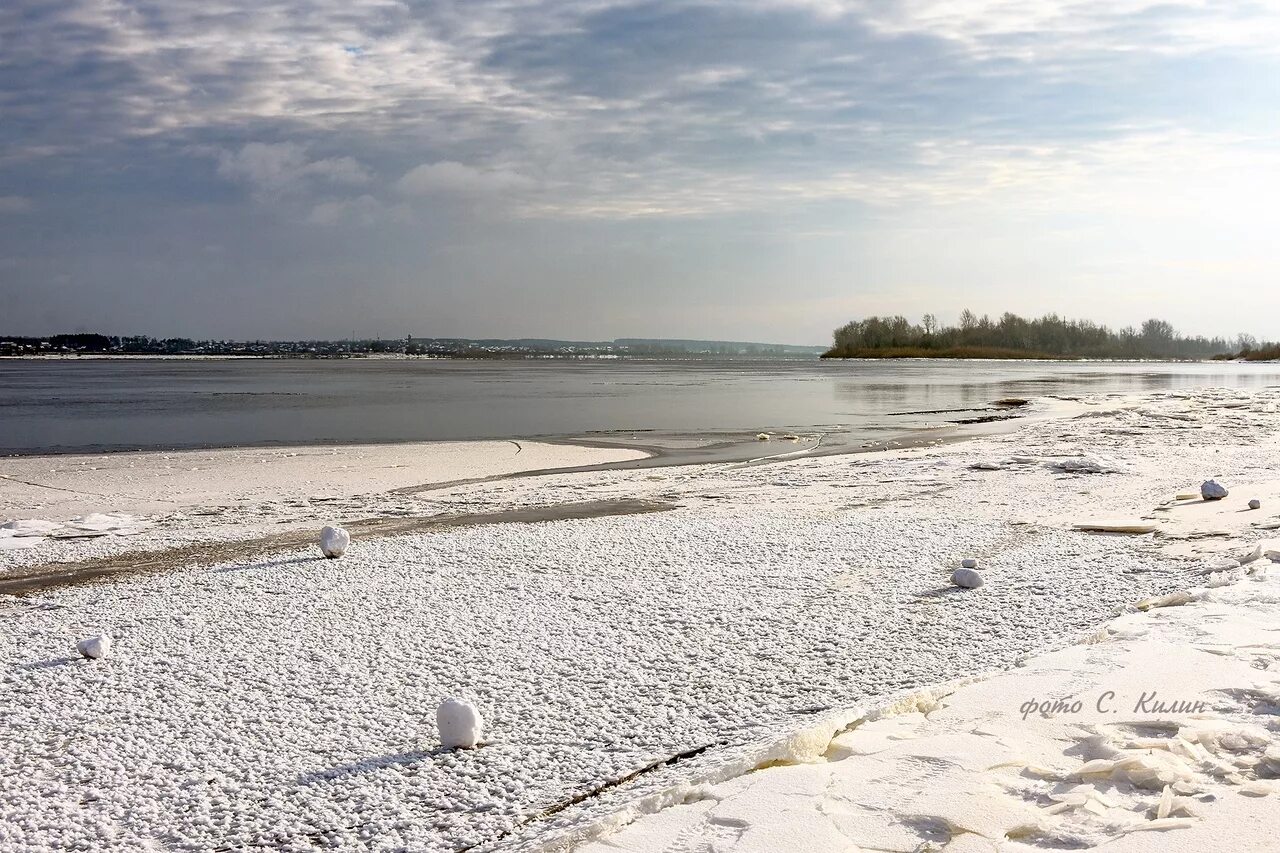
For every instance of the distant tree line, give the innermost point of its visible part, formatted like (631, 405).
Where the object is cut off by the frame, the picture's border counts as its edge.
(93, 342)
(1012, 336)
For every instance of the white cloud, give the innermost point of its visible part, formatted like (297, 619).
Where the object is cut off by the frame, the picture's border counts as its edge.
(451, 177)
(621, 108)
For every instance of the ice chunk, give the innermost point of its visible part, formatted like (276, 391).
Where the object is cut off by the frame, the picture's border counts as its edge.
(1085, 465)
(10, 542)
(334, 541)
(30, 527)
(1267, 548)
(1212, 490)
(1161, 824)
(86, 526)
(95, 647)
(459, 723)
(1136, 526)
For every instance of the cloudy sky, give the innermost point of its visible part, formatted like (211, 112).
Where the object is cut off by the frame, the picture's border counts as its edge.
(761, 169)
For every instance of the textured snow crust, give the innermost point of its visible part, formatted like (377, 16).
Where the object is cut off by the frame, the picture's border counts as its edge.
(289, 703)
(1160, 736)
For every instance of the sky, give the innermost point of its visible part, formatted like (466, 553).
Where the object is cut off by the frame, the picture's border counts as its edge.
(590, 169)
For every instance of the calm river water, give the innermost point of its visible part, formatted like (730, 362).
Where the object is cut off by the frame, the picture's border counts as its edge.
(99, 404)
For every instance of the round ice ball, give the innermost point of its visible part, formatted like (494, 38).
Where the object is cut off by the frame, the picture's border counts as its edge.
(966, 578)
(459, 723)
(334, 541)
(95, 647)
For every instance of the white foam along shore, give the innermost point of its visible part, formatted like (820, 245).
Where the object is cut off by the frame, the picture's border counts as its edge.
(289, 701)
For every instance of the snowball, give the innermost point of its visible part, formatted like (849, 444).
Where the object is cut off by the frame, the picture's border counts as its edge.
(967, 578)
(95, 647)
(1212, 490)
(334, 541)
(459, 723)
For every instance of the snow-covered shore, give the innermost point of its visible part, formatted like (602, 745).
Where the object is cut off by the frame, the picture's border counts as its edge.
(287, 702)
(1157, 735)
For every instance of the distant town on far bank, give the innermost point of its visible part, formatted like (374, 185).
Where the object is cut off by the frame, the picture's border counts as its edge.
(89, 343)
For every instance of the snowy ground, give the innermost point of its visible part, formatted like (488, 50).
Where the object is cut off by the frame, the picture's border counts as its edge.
(1160, 735)
(288, 703)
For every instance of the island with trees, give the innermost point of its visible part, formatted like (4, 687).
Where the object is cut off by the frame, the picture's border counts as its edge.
(1048, 337)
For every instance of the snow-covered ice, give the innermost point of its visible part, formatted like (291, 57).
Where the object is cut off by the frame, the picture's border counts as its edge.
(157, 482)
(1158, 736)
(274, 703)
